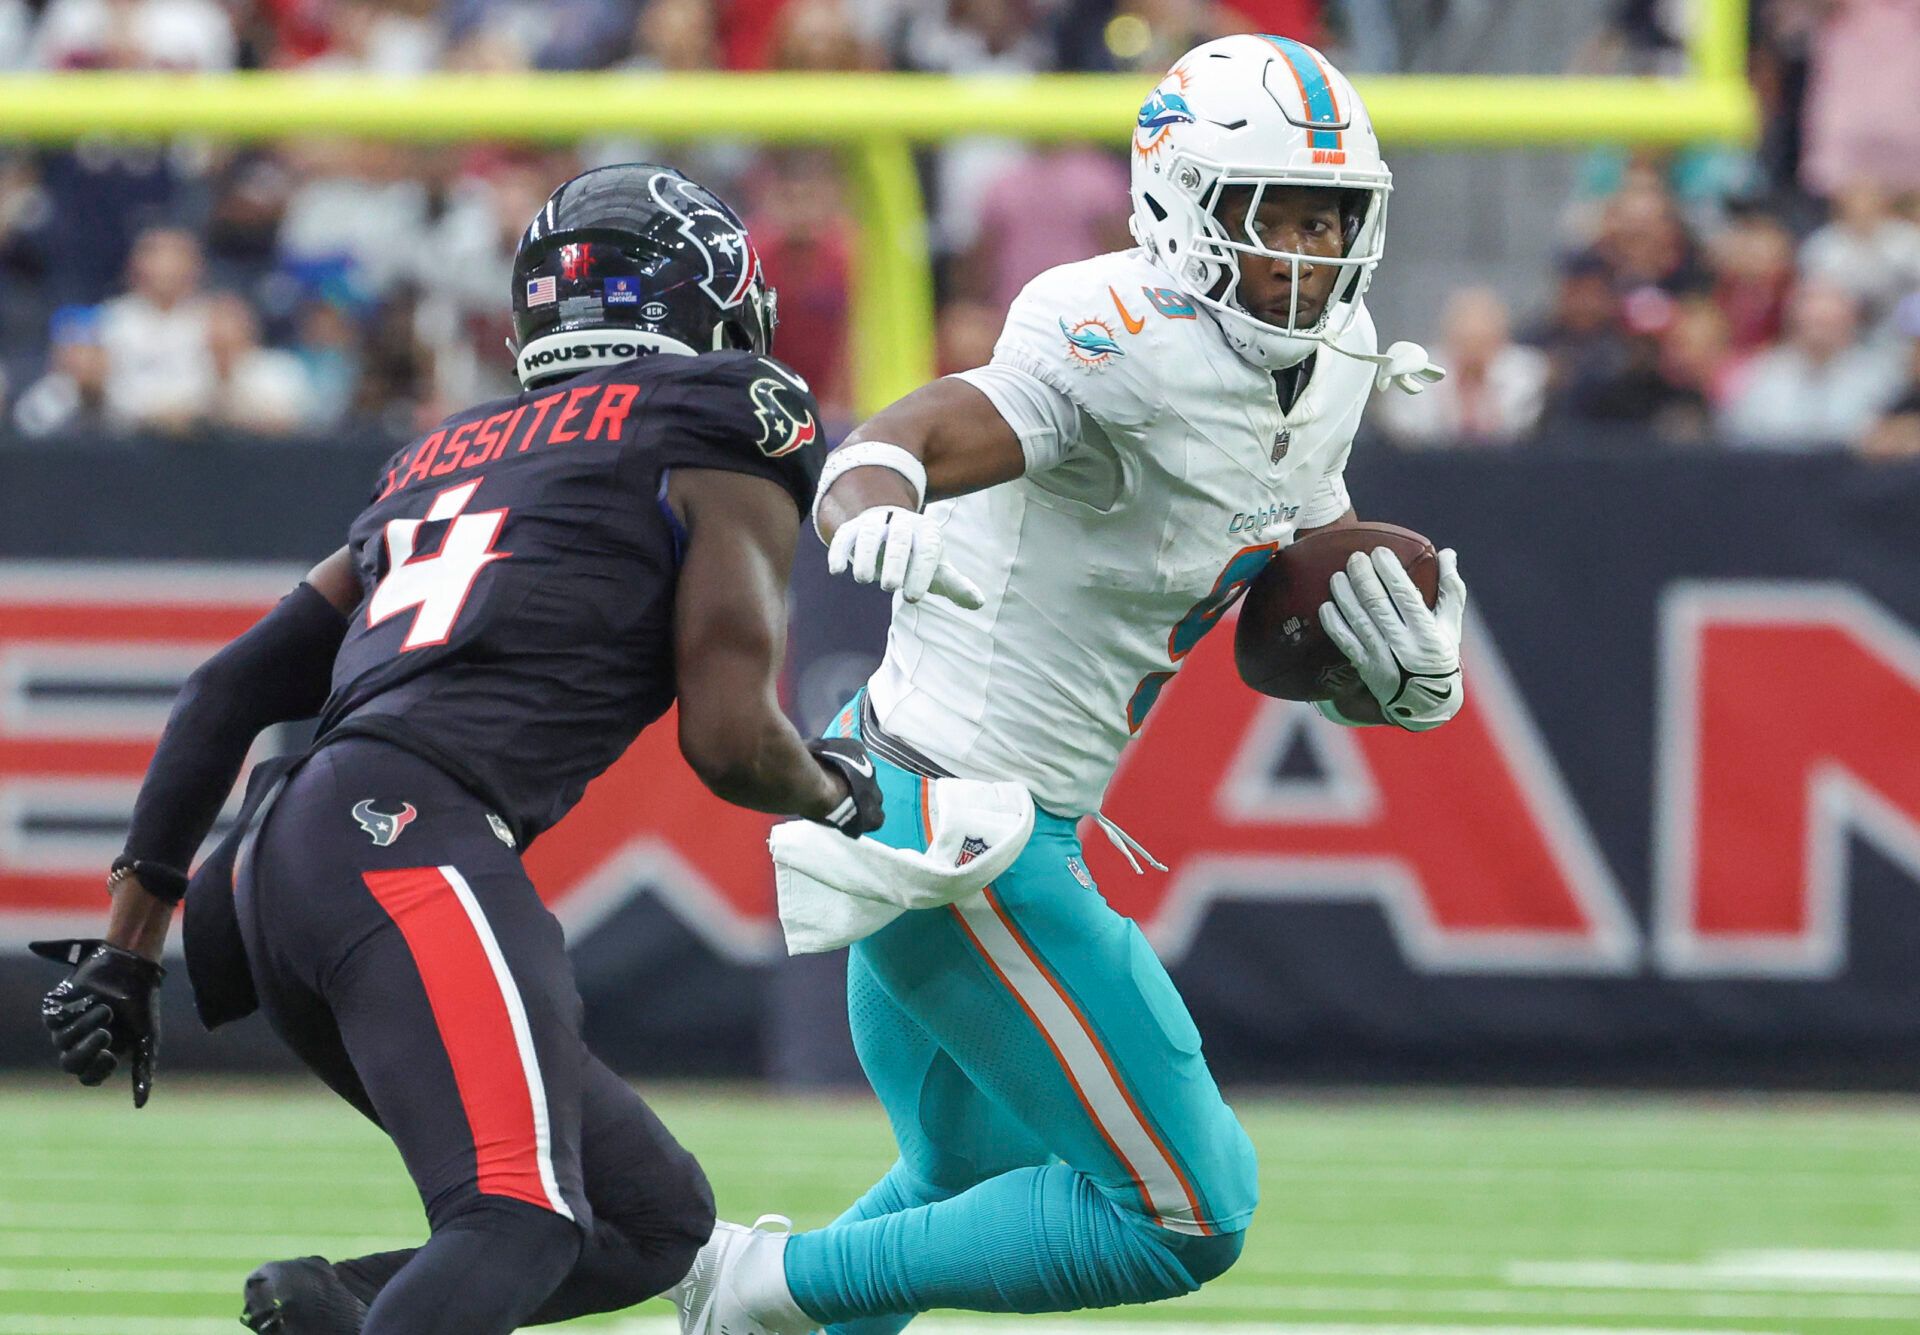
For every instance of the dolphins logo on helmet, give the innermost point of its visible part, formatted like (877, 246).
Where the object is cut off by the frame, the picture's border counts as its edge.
(1167, 108)
(1164, 108)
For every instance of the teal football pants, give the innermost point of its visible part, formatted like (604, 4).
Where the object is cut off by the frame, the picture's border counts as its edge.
(1062, 1143)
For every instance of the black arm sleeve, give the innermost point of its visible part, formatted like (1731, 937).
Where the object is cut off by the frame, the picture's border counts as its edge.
(281, 669)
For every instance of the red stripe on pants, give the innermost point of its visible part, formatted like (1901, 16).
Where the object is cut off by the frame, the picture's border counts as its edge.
(474, 1026)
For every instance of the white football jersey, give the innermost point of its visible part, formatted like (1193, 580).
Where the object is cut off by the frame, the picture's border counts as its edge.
(1162, 476)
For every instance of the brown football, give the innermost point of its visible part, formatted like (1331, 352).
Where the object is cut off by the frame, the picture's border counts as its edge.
(1279, 646)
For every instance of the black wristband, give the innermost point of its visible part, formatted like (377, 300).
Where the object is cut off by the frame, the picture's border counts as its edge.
(156, 878)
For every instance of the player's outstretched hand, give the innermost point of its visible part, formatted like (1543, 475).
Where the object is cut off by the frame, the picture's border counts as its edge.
(1407, 653)
(900, 550)
(106, 1009)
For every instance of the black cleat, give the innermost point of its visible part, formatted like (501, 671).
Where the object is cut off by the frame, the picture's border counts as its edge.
(301, 1297)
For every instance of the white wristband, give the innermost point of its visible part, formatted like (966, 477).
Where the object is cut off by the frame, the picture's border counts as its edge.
(870, 454)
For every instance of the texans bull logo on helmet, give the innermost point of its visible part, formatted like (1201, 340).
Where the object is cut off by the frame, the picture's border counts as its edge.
(733, 264)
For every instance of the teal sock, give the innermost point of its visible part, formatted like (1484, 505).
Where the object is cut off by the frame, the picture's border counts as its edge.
(898, 1190)
(1030, 1240)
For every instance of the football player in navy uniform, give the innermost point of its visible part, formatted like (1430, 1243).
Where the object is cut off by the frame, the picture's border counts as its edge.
(533, 583)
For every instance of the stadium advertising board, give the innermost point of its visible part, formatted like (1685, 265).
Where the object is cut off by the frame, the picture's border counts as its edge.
(1674, 834)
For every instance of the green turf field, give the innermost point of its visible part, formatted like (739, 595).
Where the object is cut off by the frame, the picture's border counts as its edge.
(1377, 1215)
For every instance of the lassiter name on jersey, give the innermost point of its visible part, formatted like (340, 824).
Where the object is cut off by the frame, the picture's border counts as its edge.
(519, 565)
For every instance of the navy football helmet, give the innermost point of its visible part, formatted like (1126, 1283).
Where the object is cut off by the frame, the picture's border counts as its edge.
(633, 259)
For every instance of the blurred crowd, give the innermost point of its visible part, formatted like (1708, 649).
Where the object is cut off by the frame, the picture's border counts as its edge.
(309, 288)
(1758, 298)
(1764, 300)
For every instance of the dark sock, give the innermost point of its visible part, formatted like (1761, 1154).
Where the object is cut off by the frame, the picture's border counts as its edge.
(612, 1274)
(365, 1276)
(483, 1272)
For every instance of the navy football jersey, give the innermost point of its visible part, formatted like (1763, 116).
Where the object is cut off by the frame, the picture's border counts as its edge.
(518, 567)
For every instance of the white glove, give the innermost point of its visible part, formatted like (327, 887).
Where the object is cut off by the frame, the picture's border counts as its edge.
(899, 549)
(1407, 654)
(1407, 368)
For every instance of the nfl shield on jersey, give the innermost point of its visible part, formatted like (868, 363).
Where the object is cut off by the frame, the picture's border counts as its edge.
(1104, 569)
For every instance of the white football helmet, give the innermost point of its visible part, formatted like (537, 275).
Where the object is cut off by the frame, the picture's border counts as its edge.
(1260, 112)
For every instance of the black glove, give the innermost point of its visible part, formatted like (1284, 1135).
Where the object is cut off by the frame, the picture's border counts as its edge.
(862, 812)
(104, 1010)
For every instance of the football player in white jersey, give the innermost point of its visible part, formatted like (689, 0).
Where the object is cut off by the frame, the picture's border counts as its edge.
(1059, 529)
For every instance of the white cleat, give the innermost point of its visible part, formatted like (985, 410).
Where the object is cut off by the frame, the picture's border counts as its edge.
(738, 1286)
(694, 1294)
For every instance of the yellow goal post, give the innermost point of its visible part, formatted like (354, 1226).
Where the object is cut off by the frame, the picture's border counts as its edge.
(876, 121)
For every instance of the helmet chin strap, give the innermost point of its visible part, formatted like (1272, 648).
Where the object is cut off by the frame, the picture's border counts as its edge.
(1258, 342)
(1276, 353)
(1272, 352)
(1404, 366)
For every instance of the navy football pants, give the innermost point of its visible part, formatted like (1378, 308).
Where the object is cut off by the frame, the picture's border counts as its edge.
(400, 950)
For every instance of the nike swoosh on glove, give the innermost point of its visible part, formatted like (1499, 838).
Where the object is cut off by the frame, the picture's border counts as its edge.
(900, 550)
(1407, 653)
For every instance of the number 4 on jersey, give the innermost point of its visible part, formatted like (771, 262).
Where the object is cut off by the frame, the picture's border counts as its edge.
(435, 587)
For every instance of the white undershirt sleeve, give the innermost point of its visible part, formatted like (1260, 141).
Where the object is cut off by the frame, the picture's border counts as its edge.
(1046, 420)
